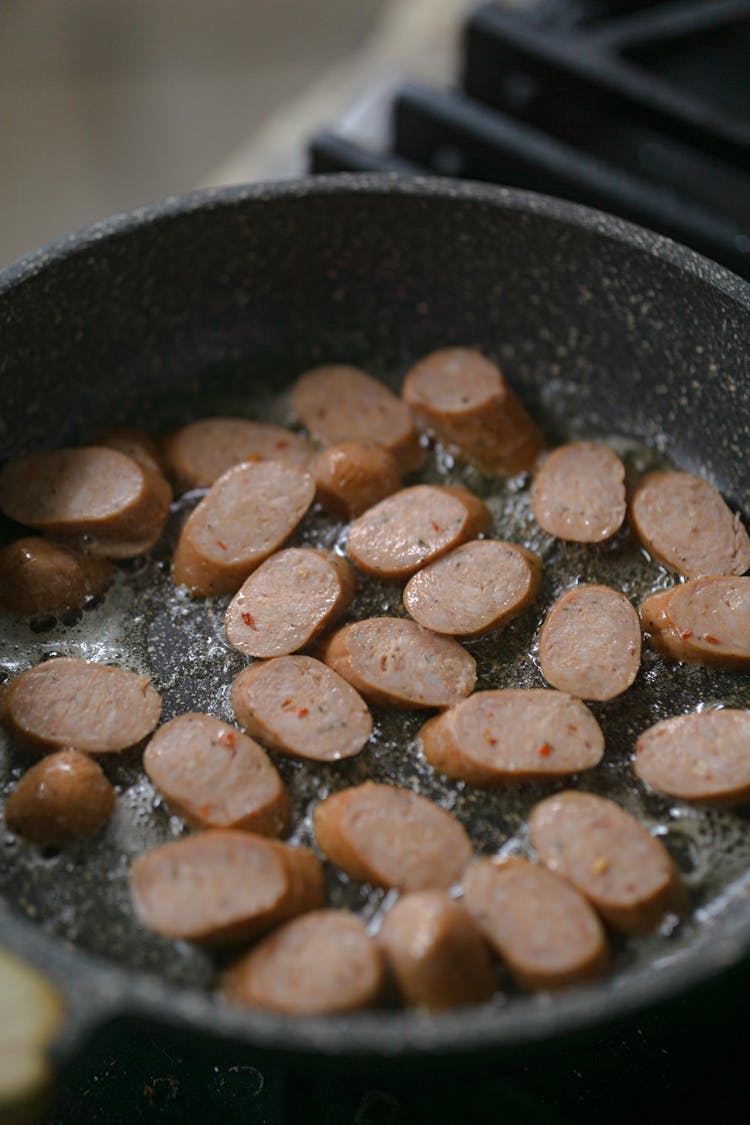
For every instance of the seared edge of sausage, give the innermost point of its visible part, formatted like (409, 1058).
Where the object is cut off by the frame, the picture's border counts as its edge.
(63, 797)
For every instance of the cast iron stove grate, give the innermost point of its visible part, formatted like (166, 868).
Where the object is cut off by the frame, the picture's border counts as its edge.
(636, 107)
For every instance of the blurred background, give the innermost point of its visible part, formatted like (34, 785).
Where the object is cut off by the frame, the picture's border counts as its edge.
(107, 104)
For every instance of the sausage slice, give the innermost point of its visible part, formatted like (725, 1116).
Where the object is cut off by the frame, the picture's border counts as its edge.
(610, 857)
(97, 496)
(578, 493)
(413, 527)
(353, 476)
(391, 838)
(396, 663)
(476, 588)
(590, 643)
(685, 524)
(463, 398)
(196, 455)
(299, 706)
(63, 797)
(700, 757)
(38, 576)
(133, 443)
(498, 738)
(435, 952)
(247, 514)
(338, 403)
(538, 924)
(319, 964)
(90, 707)
(316, 965)
(215, 777)
(705, 620)
(288, 601)
(222, 887)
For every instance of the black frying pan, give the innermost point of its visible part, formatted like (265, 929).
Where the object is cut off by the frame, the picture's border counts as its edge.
(214, 296)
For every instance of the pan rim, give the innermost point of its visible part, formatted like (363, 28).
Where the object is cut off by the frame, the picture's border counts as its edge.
(102, 990)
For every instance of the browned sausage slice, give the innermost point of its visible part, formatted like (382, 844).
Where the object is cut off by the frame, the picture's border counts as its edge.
(95, 495)
(133, 443)
(38, 576)
(610, 857)
(413, 527)
(90, 707)
(291, 598)
(396, 663)
(300, 707)
(353, 476)
(435, 952)
(705, 620)
(699, 757)
(685, 524)
(215, 777)
(497, 738)
(198, 454)
(63, 797)
(541, 927)
(391, 838)
(579, 493)
(590, 643)
(476, 588)
(338, 403)
(465, 400)
(322, 963)
(248, 513)
(222, 887)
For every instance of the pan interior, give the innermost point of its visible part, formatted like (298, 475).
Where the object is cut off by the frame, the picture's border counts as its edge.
(143, 622)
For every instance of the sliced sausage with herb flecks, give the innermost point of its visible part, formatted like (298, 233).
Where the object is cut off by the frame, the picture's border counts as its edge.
(38, 577)
(461, 396)
(319, 964)
(353, 476)
(435, 953)
(705, 621)
(215, 777)
(412, 527)
(291, 598)
(700, 757)
(245, 517)
(391, 837)
(67, 702)
(339, 403)
(298, 706)
(685, 524)
(590, 643)
(394, 662)
(223, 887)
(475, 589)
(196, 455)
(498, 738)
(611, 858)
(95, 496)
(63, 797)
(578, 493)
(538, 924)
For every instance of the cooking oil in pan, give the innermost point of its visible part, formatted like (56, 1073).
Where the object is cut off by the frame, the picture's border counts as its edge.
(143, 623)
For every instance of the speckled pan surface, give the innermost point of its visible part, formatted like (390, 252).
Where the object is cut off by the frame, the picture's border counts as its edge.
(168, 303)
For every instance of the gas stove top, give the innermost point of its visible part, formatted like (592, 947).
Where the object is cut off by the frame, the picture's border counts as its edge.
(635, 107)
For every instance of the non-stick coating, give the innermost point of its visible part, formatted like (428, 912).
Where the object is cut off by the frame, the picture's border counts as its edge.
(375, 271)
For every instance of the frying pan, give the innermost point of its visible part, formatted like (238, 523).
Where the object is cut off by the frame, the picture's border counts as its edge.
(230, 292)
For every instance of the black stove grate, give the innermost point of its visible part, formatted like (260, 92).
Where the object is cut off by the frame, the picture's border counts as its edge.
(635, 107)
